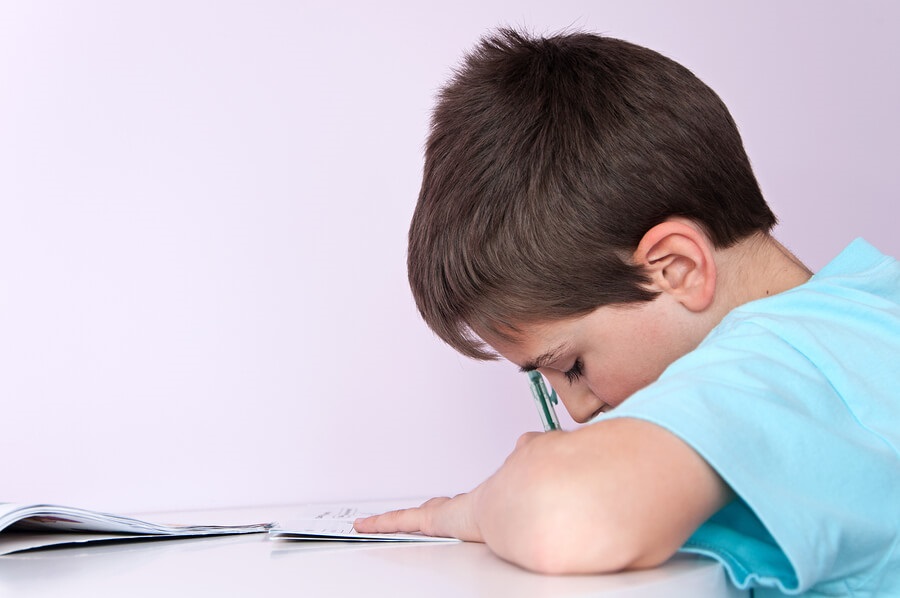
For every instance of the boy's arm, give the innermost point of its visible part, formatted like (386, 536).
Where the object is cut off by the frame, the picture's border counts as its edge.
(613, 495)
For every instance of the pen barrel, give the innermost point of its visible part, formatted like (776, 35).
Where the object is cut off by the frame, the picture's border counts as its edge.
(544, 403)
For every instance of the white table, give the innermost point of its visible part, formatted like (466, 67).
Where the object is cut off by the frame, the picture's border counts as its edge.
(253, 565)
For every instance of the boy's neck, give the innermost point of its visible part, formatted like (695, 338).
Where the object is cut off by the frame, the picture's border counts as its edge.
(755, 268)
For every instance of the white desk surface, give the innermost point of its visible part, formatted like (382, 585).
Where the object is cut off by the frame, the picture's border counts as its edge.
(253, 565)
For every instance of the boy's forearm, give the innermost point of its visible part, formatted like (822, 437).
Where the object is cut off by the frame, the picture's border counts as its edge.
(613, 496)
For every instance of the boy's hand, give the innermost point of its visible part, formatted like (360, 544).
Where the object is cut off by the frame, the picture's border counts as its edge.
(445, 517)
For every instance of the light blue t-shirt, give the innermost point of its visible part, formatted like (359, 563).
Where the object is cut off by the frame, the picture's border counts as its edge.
(795, 401)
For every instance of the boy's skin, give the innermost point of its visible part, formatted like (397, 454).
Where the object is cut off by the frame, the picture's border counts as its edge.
(625, 493)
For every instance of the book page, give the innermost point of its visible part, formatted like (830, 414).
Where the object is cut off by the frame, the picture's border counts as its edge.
(24, 526)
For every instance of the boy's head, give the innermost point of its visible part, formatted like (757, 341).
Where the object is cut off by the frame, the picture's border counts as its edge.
(548, 161)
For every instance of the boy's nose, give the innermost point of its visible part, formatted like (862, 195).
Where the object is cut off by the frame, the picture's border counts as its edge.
(581, 403)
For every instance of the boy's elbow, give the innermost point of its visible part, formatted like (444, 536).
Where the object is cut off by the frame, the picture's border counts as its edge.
(563, 551)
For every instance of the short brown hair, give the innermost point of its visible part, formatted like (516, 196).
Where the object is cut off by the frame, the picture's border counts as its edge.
(548, 160)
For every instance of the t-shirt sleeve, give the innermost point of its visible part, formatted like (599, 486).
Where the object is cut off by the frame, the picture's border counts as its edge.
(808, 474)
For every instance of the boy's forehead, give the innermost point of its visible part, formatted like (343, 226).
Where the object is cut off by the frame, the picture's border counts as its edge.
(546, 358)
(531, 345)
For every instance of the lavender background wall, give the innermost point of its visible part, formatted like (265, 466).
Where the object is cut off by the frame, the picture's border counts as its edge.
(203, 210)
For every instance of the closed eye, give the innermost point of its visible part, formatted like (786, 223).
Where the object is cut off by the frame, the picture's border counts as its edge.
(574, 372)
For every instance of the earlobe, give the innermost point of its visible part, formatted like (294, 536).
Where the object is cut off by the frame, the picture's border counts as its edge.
(678, 257)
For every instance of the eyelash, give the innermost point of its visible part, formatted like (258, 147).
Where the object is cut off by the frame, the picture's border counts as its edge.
(575, 372)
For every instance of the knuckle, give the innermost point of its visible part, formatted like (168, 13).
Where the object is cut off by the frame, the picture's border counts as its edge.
(526, 438)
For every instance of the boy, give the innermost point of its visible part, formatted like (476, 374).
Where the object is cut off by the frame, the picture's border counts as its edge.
(588, 211)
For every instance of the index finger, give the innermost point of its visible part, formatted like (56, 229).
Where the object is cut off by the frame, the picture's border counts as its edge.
(402, 520)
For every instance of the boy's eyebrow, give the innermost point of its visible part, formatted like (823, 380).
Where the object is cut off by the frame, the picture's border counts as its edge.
(544, 358)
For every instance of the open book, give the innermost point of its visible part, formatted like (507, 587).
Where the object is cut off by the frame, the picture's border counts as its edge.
(35, 526)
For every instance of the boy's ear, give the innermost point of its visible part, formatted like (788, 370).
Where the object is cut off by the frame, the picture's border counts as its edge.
(679, 260)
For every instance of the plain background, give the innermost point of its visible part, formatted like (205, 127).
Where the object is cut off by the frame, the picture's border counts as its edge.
(203, 212)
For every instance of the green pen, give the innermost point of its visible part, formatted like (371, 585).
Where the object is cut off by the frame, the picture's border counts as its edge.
(545, 401)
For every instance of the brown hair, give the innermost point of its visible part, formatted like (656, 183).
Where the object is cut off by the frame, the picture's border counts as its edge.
(547, 162)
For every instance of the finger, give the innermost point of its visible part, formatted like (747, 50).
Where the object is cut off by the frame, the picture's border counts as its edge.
(450, 518)
(443, 517)
(434, 502)
(405, 520)
(402, 520)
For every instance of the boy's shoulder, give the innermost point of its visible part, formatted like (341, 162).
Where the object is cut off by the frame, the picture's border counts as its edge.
(860, 279)
(793, 399)
(840, 329)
